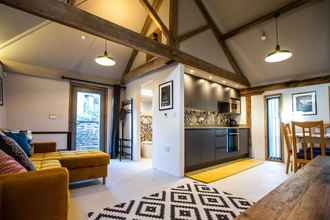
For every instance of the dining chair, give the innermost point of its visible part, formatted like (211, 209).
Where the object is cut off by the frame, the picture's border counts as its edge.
(305, 132)
(287, 136)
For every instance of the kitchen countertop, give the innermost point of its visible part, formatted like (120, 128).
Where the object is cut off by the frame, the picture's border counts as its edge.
(213, 127)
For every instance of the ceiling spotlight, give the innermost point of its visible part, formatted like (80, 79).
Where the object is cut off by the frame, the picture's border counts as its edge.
(223, 81)
(83, 37)
(210, 77)
(263, 36)
(192, 71)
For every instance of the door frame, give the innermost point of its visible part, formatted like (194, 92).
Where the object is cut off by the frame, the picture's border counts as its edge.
(104, 111)
(266, 126)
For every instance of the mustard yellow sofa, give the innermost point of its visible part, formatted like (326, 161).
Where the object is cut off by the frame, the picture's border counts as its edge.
(43, 194)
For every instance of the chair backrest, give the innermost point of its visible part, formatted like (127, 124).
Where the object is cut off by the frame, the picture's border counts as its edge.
(287, 134)
(306, 132)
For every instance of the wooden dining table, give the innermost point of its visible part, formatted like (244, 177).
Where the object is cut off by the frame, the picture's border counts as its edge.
(303, 196)
(315, 137)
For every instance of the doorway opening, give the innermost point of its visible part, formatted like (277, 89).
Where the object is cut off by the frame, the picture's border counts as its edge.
(88, 117)
(146, 120)
(274, 150)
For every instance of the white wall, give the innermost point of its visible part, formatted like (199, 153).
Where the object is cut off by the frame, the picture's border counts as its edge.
(257, 117)
(257, 127)
(30, 100)
(168, 126)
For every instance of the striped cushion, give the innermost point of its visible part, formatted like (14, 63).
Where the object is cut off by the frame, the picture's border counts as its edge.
(10, 147)
(9, 164)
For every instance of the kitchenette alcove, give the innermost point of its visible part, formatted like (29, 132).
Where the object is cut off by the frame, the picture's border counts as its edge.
(213, 134)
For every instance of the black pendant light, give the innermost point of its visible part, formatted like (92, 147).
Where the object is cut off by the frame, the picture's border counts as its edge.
(278, 55)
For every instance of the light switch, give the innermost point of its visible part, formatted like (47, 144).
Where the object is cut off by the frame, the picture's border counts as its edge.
(52, 117)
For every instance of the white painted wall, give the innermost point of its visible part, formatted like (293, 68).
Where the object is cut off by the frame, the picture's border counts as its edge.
(168, 126)
(257, 119)
(257, 127)
(30, 100)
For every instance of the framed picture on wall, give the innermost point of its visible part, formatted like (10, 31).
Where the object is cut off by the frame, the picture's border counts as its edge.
(1, 92)
(166, 96)
(304, 103)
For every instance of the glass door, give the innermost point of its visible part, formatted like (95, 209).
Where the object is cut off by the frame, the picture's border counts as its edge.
(273, 113)
(88, 117)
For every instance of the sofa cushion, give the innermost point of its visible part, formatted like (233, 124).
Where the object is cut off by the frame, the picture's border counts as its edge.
(75, 159)
(9, 165)
(10, 147)
(22, 140)
(46, 164)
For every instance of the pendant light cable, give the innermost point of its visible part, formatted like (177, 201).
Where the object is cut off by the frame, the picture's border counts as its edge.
(276, 30)
(278, 55)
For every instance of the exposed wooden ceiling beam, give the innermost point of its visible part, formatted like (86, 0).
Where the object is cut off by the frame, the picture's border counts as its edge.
(287, 8)
(258, 90)
(191, 33)
(218, 35)
(89, 23)
(146, 26)
(173, 23)
(145, 69)
(155, 17)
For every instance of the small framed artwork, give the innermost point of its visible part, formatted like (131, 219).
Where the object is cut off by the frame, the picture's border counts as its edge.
(1, 92)
(304, 103)
(166, 96)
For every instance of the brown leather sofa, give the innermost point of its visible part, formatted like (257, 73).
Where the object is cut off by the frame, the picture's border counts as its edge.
(44, 193)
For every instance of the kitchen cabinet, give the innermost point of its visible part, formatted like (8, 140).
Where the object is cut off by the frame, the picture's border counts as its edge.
(205, 95)
(209, 146)
(199, 147)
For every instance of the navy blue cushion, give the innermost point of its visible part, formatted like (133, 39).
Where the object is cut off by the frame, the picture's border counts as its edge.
(316, 152)
(22, 140)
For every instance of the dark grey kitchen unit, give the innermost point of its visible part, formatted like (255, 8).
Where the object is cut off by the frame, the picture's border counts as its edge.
(208, 146)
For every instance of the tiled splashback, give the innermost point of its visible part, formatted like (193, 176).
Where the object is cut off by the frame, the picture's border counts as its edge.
(146, 128)
(195, 117)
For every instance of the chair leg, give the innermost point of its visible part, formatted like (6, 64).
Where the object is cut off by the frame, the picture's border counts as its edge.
(104, 180)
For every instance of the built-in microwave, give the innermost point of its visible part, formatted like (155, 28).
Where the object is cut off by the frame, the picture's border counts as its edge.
(235, 106)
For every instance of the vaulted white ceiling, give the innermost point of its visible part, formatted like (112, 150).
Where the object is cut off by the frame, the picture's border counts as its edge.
(305, 31)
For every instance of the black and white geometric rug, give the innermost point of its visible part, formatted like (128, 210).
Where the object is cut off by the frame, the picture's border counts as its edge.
(191, 201)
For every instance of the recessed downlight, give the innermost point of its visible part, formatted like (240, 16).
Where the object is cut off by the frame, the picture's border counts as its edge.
(83, 37)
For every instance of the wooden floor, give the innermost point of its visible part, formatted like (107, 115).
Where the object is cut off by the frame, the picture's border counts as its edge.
(304, 196)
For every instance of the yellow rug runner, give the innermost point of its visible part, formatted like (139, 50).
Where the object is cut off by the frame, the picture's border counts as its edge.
(214, 173)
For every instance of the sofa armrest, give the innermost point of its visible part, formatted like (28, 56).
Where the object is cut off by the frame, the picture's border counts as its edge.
(35, 195)
(43, 147)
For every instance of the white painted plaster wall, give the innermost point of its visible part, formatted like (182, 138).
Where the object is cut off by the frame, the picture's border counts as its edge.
(30, 101)
(168, 126)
